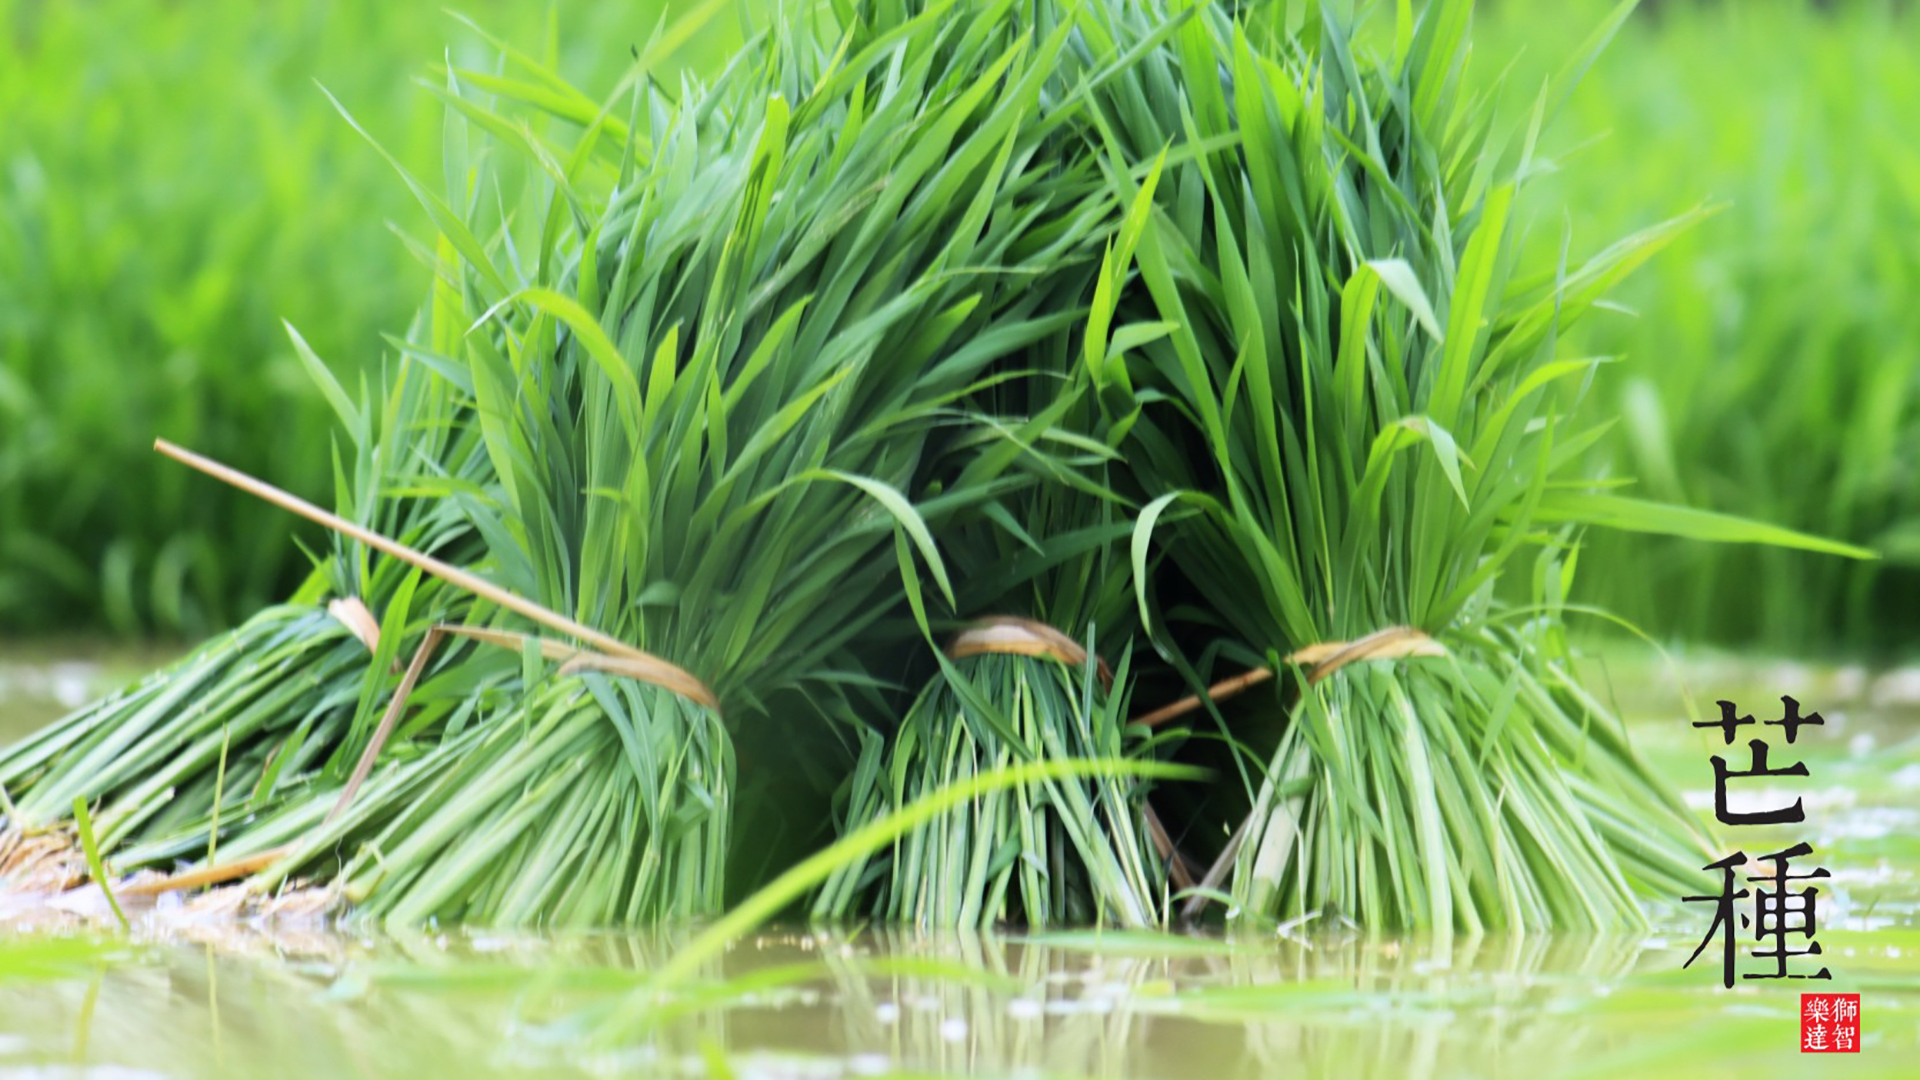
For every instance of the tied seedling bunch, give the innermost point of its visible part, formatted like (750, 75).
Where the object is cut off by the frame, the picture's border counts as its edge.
(249, 735)
(1024, 683)
(1357, 460)
(760, 346)
(676, 407)
(917, 315)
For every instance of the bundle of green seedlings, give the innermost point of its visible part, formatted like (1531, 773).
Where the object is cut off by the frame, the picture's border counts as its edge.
(1014, 686)
(263, 719)
(1051, 575)
(1352, 448)
(676, 408)
(679, 429)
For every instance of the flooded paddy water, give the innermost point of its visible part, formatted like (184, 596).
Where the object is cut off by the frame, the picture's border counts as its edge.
(188, 996)
(41, 682)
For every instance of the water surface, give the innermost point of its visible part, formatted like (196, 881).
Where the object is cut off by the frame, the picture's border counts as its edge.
(187, 997)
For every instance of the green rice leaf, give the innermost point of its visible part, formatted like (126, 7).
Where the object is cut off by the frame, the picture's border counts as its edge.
(1399, 279)
(83, 825)
(329, 386)
(1640, 515)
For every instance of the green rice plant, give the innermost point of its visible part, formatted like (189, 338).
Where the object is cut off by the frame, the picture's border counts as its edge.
(172, 187)
(774, 897)
(1770, 365)
(1352, 438)
(581, 802)
(719, 370)
(1041, 572)
(1067, 851)
(679, 397)
(1013, 687)
(275, 713)
(256, 684)
(270, 715)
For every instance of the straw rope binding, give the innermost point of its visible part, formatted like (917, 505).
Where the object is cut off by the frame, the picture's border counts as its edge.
(1011, 635)
(352, 613)
(1327, 657)
(1014, 636)
(613, 656)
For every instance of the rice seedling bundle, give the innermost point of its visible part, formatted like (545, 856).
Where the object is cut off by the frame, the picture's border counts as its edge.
(1014, 688)
(262, 721)
(1360, 451)
(683, 424)
(1027, 682)
(1045, 590)
(687, 397)
(811, 291)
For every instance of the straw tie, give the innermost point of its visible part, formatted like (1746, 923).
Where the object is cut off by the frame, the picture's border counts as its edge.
(351, 612)
(1012, 635)
(1326, 657)
(1392, 643)
(609, 654)
(454, 575)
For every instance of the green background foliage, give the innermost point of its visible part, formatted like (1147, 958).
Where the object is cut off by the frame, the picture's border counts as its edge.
(1769, 363)
(173, 185)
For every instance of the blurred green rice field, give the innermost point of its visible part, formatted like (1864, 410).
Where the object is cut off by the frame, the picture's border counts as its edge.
(173, 184)
(1769, 362)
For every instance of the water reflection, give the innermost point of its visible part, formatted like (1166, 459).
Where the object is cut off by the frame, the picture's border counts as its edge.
(233, 1000)
(1252, 1006)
